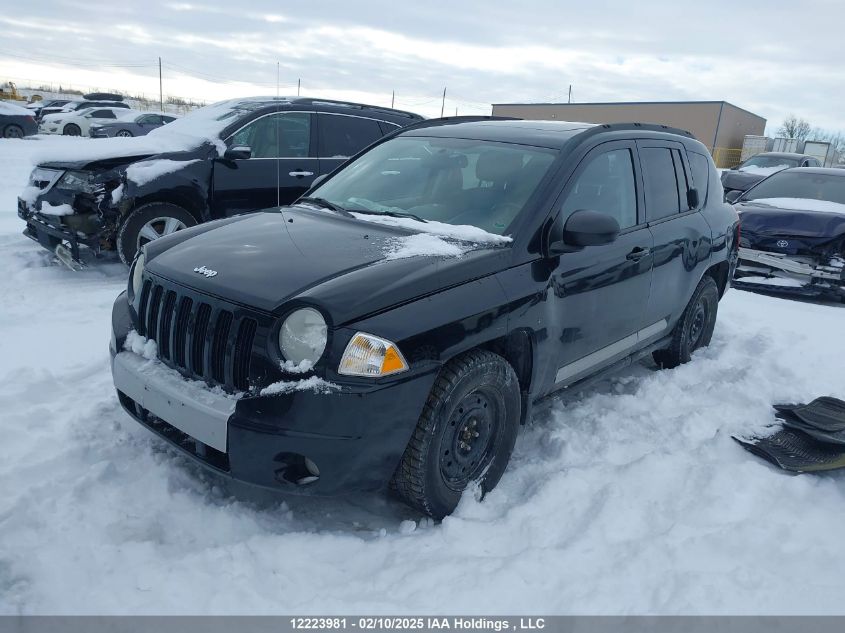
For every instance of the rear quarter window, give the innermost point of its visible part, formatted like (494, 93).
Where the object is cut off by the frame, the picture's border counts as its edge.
(700, 167)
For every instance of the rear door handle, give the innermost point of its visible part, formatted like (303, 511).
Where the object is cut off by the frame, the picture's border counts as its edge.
(300, 174)
(638, 253)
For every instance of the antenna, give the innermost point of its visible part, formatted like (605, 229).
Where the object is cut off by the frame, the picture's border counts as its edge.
(278, 160)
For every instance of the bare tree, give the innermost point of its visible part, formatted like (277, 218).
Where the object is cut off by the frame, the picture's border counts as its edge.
(793, 127)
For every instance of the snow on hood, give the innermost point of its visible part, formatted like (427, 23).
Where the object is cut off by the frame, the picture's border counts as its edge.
(763, 171)
(423, 245)
(802, 204)
(13, 110)
(145, 171)
(461, 232)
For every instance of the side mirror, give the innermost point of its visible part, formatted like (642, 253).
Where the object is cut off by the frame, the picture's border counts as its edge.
(692, 198)
(238, 152)
(585, 228)
(733, 195)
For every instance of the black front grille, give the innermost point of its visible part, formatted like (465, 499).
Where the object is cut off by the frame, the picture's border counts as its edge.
(196, 336)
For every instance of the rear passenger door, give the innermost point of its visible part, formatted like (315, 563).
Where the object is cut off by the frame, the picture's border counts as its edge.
(340, 136)
(682, 237)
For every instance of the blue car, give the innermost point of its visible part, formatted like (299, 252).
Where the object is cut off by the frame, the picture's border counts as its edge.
(16, 122)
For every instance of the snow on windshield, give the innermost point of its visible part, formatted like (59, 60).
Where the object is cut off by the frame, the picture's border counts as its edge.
(763, 171)
(803, 204)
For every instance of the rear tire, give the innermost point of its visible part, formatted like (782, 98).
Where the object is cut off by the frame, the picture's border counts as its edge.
(695, 327)
(71, 129)
(13, 131)
(147, 223)
(465, 434)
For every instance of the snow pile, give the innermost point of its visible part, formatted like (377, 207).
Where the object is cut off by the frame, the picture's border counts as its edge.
(423, 244)
(314, 383)
(56, 209)
(803, 204)
(763, 171)
(461, 232)
(11, 109)
(29, 194)
(148, 170)
(117, 194)
(303, 367)
(141, 346)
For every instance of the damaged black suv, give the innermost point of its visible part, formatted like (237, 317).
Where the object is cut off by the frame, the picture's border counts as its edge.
(225, 159)
(399, 322)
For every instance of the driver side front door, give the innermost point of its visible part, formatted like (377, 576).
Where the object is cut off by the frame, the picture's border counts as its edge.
(280, 169)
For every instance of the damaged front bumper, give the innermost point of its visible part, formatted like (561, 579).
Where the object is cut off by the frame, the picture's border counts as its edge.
(780, 272)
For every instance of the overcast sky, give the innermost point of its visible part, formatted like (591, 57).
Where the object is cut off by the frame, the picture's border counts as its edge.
(772, 57)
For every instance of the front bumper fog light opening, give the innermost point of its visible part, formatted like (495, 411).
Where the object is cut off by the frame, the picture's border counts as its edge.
(296, 469)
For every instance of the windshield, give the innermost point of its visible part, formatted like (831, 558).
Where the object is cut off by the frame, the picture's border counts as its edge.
(456, 181)
(768, 162)
(800, 184)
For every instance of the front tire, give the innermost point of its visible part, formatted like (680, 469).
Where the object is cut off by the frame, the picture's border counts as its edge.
(13, 131)
(147, 223)
(124, 134)
(695, 327)
(71, 129)
(465, 434)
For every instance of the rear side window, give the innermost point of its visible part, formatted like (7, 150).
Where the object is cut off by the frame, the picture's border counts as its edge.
(344, 136)
(606, 184)
(661, 182)
(103, 114)
(700, 167)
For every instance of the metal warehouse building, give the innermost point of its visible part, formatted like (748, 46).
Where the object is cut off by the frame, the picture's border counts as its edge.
(720, 125)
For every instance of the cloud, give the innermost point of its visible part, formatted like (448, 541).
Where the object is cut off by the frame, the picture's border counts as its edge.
(484, 52)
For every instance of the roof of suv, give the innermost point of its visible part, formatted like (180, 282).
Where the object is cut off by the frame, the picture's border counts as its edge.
(552, 134)
(329, 105)
(792, 155)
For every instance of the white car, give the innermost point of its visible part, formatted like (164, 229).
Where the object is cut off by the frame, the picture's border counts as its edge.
(76, 123)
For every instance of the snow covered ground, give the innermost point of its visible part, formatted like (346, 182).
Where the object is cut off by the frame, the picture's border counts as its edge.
(630, 498)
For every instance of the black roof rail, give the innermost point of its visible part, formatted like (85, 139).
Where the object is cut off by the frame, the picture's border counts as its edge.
(450, 120)
(351, 104)
(651, 127)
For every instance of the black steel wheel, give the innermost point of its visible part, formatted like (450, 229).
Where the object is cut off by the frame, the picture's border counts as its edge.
(695, 327)
(466, 433)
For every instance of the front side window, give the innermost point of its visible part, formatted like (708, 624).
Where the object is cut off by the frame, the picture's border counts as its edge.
(344, 136)
(606, 184)
(282, 135)
(661, 182)
(456, 181)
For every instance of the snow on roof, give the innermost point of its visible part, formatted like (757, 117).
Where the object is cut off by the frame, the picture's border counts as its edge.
(13, 109)
(803, 204)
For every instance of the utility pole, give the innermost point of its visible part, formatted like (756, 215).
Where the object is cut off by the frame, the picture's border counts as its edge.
(443, 104)
(277, 79)
(298, 86)
(456, 111)
(392, 98)
(160, 87)
(569, 100)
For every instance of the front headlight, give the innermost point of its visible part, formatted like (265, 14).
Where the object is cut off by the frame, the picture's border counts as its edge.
(136, 275)
(303, 336)
(77, 181)
(368, 355)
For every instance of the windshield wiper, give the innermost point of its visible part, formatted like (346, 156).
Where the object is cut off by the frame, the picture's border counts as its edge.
(392, 214)
(325, 204)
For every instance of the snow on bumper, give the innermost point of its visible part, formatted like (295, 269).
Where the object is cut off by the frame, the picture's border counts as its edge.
(193, 410)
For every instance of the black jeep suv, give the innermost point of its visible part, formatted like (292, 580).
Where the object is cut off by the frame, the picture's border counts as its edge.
(222, 160)
(399, 322)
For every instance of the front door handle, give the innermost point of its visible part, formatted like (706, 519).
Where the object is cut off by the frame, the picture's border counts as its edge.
(638, 253)
(300, 174)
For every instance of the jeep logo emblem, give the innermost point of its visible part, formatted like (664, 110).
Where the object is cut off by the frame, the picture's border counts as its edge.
(202, 270)
(783, 243)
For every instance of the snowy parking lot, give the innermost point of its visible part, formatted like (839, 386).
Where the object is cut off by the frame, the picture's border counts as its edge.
(629, 498)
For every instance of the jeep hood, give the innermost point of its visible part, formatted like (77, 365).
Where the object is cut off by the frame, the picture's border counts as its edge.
(264, 260)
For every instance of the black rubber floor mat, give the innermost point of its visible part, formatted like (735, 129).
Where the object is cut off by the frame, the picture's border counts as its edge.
(795, 451)
(825, 413)
(830, 437)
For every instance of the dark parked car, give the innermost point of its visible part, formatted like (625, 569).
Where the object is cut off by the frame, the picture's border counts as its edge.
(37, 106)
(73, 106)
(16, 122)
(230, 158)
(793, 234)
(131, 124)
(340, 352)
(744, 176)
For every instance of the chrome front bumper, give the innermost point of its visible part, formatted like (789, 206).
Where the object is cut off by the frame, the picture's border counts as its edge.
(187, 405)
